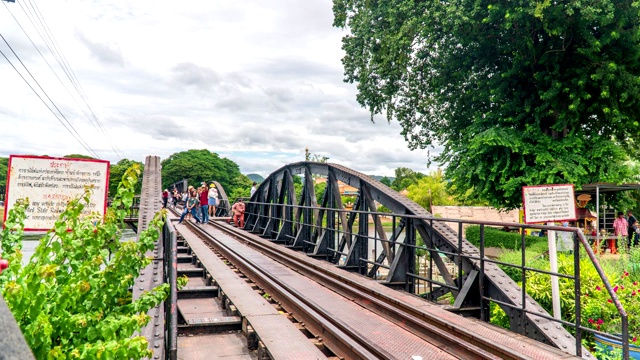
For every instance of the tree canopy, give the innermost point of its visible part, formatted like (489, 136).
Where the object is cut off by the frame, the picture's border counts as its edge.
(517, 93)
(78, 156)
(405, 177)
(430, 190)
(197, 166)
(117, 170)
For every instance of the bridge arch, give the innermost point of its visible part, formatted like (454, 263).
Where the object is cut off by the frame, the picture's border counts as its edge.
(329, 231)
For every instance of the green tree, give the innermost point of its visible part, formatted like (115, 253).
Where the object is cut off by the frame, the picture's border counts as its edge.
(319, 189)
(240, 187)
(117, 170)
(203, 165)
(431, 190)
(78, 156)
(315, 157)
(4, 163)
(385, 180)
(518, 93)
(405, 177)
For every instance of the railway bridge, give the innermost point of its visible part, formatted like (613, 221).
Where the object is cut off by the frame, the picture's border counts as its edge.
(309, 279)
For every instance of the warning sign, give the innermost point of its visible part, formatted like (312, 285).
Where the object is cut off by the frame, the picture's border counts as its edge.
(546, 203)
(50, 183)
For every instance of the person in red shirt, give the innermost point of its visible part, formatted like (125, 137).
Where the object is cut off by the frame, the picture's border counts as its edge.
(238, 213)
(203, 193)
(165, 198)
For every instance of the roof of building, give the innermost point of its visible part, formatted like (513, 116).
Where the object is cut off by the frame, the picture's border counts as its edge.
(606, 188)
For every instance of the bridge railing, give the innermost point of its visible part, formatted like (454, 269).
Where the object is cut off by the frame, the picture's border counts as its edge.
(357, 241)
(169, 239)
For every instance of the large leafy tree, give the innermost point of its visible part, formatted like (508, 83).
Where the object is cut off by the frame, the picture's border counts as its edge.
(517, 92)
(197, 166)
(430, 190)
(405, 177)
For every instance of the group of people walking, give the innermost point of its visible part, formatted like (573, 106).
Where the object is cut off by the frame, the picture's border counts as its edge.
(199, 203)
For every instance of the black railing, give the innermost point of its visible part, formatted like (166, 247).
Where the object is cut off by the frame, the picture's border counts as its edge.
(326, 232)
(170, 244)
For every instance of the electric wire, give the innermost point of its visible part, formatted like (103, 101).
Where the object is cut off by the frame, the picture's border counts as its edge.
(96, 123)
(44, 102)
(49, 40)
(73, 78)
(79, 137)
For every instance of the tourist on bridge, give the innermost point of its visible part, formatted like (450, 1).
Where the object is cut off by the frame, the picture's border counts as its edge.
(238, 213)
(203, 194)
(165, 198)
(213, 199)
(176, 197)
(254, 188)
(185, 196)
(191, 206)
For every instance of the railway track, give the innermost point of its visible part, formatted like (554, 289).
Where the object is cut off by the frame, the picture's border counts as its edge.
(446, 334)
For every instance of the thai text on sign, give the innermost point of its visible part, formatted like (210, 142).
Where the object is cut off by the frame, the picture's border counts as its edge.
(50, 183)
(546, 203)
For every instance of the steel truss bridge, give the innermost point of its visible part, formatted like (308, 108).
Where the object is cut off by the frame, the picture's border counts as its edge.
(420, 261)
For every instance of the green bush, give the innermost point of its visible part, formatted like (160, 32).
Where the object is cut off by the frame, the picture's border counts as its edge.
(598, 311)
(72, 298)
(533, 259)
(498, 238)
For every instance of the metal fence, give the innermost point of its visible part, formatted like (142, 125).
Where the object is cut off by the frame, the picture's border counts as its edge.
(169, 239)
(355, 240)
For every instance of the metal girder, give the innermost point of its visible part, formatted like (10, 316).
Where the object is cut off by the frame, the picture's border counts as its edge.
(396, 232)
(493, 283)
(286, 230)
(366, 193)
(150, 204)
(223, 208)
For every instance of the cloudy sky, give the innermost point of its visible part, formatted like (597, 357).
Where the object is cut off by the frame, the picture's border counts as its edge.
(254, 81)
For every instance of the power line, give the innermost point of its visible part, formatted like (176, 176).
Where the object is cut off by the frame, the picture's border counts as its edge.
(78, 137)
(78, 86)
(95, 122)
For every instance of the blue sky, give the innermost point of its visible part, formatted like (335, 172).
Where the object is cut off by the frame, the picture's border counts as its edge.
(255, 81)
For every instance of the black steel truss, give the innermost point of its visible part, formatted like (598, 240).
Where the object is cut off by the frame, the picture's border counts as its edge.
(303, 224)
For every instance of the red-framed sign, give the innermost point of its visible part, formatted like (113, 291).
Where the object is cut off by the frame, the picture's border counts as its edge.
(50, 183)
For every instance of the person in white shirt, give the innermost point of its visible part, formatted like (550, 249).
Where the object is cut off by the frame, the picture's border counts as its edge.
(213, 199)
(254, 188)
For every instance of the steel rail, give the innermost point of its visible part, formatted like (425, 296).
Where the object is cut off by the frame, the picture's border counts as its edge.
(341, 336)
(419, 322)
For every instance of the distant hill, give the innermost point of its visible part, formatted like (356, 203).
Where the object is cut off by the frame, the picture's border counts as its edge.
(378, 177)
(255, 177)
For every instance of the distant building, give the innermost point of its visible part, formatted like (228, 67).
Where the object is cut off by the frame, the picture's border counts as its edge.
(479, 213)
(345, 190)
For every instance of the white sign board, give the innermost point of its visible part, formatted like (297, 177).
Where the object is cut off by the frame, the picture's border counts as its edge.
(546, 203)
(50, 183)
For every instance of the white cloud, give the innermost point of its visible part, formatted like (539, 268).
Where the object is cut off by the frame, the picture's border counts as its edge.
(254, 81)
